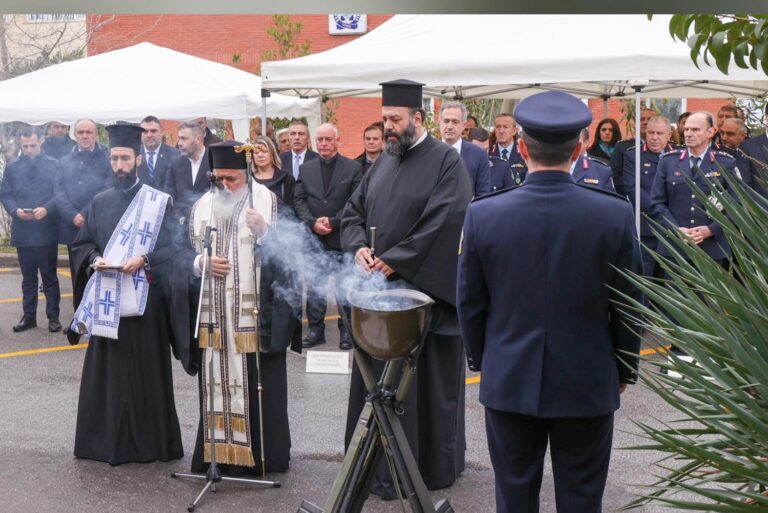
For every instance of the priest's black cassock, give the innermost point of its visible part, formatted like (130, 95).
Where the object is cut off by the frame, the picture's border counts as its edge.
(417, 204)
(126, 411)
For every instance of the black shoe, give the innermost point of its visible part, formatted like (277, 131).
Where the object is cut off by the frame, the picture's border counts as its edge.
(25, 323)
(313, 338)
(345, 342)
(73, 337)
(54, 325)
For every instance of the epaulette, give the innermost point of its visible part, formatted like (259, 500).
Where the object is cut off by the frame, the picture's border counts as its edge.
(604, 191)
(724, 153)
(629, 148)
(599, 160)
(496, 193)
(674, 151)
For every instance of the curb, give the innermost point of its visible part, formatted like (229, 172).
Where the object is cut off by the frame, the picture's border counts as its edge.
(11, 260)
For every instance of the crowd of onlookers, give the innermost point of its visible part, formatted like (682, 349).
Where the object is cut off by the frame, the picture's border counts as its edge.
(50, 179)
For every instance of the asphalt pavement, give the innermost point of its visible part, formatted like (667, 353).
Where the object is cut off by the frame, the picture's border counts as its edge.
(40, 375)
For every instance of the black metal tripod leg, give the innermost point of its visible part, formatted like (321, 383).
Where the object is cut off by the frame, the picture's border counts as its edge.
(406, 465)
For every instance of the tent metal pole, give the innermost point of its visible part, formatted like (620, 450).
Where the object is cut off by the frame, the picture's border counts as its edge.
(265, 93)
(638, 89)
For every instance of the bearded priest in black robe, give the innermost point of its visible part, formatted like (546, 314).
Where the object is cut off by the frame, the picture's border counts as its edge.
(416, 195)
(126, 411)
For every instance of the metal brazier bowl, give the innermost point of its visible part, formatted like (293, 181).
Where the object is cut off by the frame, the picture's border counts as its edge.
(389, 324)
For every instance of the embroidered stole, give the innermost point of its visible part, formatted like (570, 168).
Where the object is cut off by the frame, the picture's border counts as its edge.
(235, 324)
(110, 295)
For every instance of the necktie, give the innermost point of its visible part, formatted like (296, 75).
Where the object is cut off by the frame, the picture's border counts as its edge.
(296, 164)
(505, 154)
(695, 164)
(151, 164)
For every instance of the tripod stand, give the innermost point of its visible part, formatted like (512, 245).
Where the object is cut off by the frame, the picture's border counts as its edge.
(379, 432)
(213, 475)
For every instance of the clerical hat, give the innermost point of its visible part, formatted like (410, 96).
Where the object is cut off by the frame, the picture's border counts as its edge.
(401, 93)
(125, 135)
(222, 155)
(552, 116)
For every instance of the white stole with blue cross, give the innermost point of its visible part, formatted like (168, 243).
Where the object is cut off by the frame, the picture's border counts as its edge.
(110, 295)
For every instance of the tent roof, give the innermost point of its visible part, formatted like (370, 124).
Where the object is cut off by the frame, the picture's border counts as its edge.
(130, 83)
(513, 57)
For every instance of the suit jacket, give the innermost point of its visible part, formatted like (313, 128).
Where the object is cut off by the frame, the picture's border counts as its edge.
(286, 160)
(674, 204)
(757, 148)
(210, 138)
(311, 201)
(593, 172)
(546, 331)
(178, 183)
(476, 162)
(163, 156)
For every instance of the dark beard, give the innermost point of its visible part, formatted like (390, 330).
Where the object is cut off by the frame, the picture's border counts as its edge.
(123, 182)
(398, 147)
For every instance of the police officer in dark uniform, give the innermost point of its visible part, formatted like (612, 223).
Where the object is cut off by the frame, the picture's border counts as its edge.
(591, 171)
(546, 332)
(27, 195)
(675, 205)
(658, 132)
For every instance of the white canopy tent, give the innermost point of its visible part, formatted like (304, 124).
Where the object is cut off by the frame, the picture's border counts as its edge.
(131, 83)
(514, 56)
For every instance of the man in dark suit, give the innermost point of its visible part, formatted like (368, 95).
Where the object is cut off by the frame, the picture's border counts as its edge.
(453, 118)
(755, 150)
(187, 176)
(373, 145)
(156, 155)
(298, 134)
(208, 136)
(27, 195)
(324, 186)
(84, 173)
(57, 142)
(591, 171)
(546, 332)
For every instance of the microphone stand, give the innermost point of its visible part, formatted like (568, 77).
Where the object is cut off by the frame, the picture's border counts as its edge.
(213, 475)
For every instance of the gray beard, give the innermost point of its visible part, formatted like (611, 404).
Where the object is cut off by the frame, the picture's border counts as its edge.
(404, 141)
(225, 202)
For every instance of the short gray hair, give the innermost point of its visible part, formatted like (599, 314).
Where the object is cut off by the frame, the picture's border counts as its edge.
(194, 128)
(740, 125)
(455, 105)
(661, 119)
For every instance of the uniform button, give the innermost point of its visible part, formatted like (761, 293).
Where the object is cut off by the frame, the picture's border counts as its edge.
(692, 221)
(692, 208)
(693, 196)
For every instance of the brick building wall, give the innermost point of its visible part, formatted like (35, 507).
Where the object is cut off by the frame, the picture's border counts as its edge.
(219, 37)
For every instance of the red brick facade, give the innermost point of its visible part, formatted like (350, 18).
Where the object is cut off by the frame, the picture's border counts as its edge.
(219, 37)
